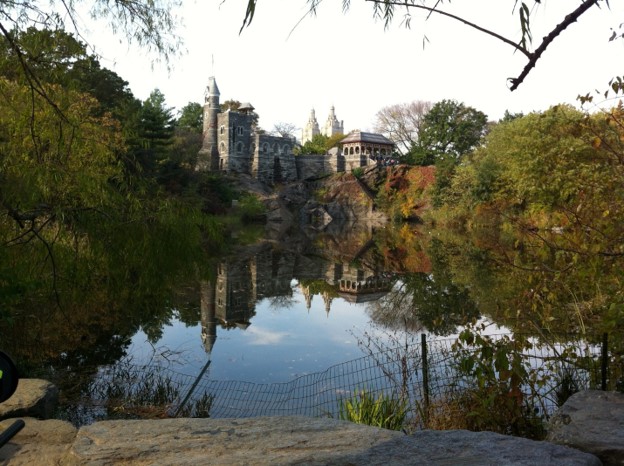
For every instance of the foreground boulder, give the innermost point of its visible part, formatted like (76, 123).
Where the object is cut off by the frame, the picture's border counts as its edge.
(33, 398)
(302, 440)
(39, 442)
(592, 421)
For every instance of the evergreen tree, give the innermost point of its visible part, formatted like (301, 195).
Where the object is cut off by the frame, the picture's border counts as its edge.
(155, 132)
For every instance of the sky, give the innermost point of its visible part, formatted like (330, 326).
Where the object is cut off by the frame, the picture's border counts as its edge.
(286, 68)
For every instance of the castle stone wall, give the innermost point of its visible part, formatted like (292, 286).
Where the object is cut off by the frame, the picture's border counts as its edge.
(273, 159)
(315, 166)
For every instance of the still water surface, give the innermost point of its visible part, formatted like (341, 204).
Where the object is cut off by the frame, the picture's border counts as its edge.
(281, 341)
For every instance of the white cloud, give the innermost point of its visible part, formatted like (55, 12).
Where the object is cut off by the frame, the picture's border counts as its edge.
(261, 336)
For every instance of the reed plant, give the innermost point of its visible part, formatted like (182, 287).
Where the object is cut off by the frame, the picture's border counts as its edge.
(385, 411)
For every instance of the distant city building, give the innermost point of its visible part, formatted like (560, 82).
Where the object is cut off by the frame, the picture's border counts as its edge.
(332, 126)
(311, 128)
(231, 143)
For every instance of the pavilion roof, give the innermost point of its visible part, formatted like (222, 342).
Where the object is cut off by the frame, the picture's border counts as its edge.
(362, 136)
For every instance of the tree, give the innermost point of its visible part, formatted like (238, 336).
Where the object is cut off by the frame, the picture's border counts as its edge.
(449, 130)
(318, 145)
(401, 123)
(191, 117)
(386, 9)
(58, 168)
(155, 132)
(57, 57)
(230, 105)
(285, 130)
(148, 23)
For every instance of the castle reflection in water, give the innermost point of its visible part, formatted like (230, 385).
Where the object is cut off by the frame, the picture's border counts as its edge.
(267, 272)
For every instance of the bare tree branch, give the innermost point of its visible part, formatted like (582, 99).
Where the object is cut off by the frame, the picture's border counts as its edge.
(533, 57)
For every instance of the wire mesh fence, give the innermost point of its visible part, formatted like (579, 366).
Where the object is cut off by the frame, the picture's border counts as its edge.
(421, 373)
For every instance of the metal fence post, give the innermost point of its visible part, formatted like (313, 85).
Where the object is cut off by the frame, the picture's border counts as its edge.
(425, 377)
(604, 360)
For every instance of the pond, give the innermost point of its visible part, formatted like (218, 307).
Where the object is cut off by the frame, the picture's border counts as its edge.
(287, 327)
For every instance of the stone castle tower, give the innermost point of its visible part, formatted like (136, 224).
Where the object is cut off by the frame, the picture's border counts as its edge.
(208, 156)
(332, 126)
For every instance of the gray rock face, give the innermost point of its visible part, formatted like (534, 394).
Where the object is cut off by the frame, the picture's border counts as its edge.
(39, 442)
(479, 448)
(300, 440)
(257, 441)
(33, 398)
(592, 421)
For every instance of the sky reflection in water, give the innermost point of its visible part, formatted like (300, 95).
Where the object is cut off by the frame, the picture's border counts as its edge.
(281, 343)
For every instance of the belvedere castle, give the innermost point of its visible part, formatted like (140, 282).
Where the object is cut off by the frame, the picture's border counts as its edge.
(231, 143)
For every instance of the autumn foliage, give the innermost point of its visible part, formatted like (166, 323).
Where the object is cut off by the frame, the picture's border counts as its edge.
(405, 192)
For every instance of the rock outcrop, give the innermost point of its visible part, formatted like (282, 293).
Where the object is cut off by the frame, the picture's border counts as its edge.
(38, 443)
(592, 421)
(33, 398)
(271, 441)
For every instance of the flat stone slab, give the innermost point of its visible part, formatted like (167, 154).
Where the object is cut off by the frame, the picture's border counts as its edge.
(39, 442)
(591, 421)
(33, 398)
(302, 440)
(257, 441)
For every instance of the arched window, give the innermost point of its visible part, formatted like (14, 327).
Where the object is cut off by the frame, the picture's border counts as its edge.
(221, 129)
(265, 147)
(222, 148)
(239, 147)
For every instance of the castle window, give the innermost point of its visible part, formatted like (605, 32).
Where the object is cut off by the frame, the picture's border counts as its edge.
(275, 148)
(357, 150)
(265, 147)
(239, 147)
(222, 148)
(239, 130)
(222, 129)
(286, 149)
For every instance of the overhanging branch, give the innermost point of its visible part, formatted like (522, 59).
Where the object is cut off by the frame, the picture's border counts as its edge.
(569, 19)
(532, 56)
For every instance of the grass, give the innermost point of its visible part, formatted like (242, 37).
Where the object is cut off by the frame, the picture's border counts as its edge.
(135, 392)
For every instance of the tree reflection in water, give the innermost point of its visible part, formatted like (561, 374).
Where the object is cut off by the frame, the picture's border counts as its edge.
(410, 278)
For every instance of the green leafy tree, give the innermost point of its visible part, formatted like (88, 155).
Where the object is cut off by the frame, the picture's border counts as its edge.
(191, 118)
(57, 57)
(149, 24)
(450, 130)
(318, 145)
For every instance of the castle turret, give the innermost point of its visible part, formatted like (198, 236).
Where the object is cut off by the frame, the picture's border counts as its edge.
(208, 156)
